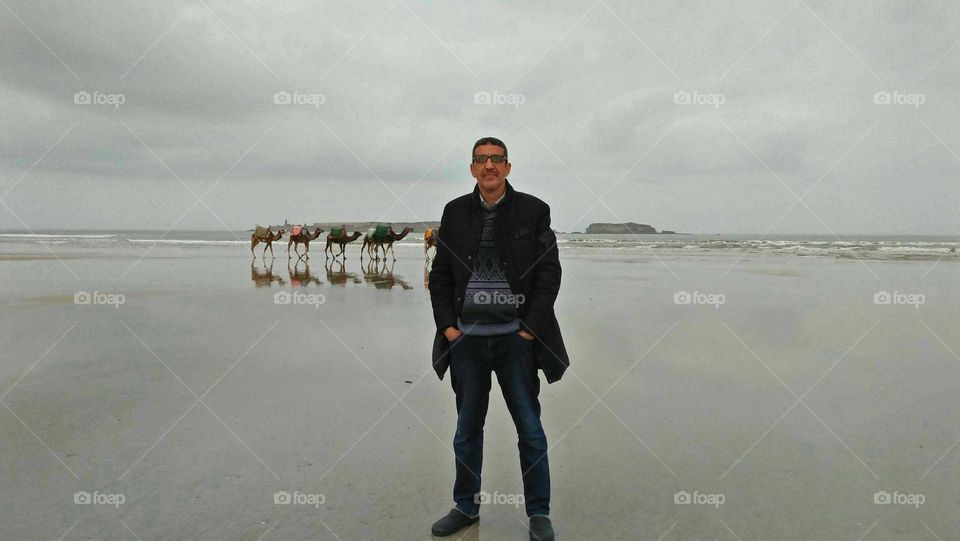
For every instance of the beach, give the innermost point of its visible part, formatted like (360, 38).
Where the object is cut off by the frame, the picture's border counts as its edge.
(750, 390)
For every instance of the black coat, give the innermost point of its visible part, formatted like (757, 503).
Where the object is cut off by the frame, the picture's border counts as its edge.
(528, 251)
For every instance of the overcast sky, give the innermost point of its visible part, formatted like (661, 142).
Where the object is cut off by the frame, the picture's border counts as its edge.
(699, 116)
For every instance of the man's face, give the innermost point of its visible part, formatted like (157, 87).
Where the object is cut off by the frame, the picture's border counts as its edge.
(490, 176)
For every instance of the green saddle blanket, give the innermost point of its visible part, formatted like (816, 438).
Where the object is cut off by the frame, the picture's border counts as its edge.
(380, 232)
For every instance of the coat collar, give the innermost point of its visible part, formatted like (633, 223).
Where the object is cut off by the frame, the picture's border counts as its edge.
(507, 196)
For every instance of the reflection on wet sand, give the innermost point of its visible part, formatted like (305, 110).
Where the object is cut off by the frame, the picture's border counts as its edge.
(380, 275)
(472, 533)
(265, 277)
(336, 275)
(302, 277)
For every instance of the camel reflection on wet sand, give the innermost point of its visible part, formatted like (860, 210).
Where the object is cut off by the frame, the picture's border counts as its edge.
(380, 275)
(265, 277)
(302, 277)
(338, 276)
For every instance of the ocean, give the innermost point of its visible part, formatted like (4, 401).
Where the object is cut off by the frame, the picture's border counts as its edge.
(916, 247)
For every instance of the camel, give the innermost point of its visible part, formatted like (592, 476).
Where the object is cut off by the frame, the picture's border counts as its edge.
(430, 241)
(368, 241)
(341, 241)
(303, 238)
(267, 240)
(373, 246)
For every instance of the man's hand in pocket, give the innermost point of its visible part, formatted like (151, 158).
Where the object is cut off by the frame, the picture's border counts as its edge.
(452, 333)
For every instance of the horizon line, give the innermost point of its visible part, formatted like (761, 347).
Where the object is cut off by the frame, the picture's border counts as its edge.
(138, 230)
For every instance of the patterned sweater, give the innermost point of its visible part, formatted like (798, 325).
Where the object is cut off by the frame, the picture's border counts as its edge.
(489, 307)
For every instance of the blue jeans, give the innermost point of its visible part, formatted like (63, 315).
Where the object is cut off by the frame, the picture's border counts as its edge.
(472, 358)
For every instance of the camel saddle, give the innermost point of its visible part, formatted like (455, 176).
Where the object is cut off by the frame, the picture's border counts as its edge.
(338, 232)
(262, 232)
(296, 230)
(380, 232)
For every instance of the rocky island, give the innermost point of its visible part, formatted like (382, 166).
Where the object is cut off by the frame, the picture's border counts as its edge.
(628, 228)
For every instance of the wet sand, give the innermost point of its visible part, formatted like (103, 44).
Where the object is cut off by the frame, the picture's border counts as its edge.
(335, 396)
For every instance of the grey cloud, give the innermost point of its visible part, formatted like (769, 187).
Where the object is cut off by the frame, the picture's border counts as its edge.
(798, 81)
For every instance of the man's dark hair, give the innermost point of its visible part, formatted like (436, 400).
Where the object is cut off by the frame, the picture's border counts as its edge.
(489, 141)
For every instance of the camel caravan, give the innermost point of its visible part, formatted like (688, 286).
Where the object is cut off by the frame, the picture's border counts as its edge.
(377, 239)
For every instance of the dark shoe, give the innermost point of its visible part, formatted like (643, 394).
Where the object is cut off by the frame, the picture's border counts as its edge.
(540, 528)
(453, 523)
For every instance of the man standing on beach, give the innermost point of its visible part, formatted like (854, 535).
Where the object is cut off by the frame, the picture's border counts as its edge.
(494, 280)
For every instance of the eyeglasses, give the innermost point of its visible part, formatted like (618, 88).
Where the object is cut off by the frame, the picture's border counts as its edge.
(496, 158)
